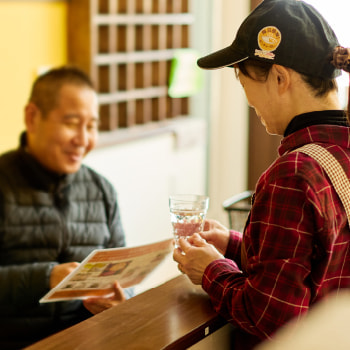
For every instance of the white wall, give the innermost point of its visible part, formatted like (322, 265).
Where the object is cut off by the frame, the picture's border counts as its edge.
(228, 126)
(146, 171)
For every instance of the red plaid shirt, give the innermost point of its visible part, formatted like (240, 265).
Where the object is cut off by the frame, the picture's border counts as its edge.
(297, 240)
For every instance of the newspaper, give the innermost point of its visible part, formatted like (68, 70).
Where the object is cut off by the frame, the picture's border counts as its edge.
(97, 272)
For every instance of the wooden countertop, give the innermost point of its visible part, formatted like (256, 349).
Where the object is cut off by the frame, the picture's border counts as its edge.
(175, 315)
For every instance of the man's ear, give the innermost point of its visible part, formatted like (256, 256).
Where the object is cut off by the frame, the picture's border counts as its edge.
(31, 115)
(282, 77)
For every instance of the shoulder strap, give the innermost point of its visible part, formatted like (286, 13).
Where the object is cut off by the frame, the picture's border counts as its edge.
(334, 171)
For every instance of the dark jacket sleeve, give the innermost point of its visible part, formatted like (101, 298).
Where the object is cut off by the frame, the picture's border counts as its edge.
(21, 284)
(24, 284)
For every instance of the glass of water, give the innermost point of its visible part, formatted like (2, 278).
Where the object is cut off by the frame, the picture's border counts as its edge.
(187, 214)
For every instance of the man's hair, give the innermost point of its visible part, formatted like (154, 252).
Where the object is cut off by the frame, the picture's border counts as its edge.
(46, 87)
(319, 86)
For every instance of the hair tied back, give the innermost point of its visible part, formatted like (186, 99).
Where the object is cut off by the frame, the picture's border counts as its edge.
(341, 58)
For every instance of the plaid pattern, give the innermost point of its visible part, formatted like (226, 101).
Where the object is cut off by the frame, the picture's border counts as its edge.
(334, 171)
(297, 240)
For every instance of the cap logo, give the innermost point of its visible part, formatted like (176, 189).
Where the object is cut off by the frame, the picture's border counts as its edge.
(269, 39)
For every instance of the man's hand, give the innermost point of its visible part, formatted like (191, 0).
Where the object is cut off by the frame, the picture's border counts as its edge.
(194, 255)
(59, 272)
(98, 304)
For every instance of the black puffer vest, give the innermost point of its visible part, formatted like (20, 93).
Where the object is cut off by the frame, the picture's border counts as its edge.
(46, 219)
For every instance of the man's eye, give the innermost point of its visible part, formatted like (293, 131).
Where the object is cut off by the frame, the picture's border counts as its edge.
(71, 123)
(93, 126)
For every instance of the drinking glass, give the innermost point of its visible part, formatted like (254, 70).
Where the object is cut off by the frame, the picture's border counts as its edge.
(187, 214)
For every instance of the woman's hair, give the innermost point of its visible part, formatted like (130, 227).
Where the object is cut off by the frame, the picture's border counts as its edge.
(46, 88)
(319, 86)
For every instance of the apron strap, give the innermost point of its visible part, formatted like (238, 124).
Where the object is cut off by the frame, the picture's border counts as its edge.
(334, 171)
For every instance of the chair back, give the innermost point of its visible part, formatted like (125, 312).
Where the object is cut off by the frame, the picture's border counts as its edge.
(237, 208)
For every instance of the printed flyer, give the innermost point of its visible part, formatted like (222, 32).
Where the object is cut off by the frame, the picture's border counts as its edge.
(96, 274)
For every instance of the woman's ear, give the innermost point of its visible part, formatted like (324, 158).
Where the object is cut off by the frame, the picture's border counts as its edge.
(31, 115)
(282, 77)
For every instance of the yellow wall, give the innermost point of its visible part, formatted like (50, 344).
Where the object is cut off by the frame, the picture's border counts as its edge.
(33, 35)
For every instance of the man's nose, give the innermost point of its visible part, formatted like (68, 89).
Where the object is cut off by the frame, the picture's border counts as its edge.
(82, 137)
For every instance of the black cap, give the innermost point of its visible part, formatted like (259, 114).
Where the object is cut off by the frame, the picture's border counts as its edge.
(286, 32)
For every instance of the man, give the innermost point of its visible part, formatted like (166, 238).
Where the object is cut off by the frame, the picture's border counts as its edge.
(53, 210)
(295, 247)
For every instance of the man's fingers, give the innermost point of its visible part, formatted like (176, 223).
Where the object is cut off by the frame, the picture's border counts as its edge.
(119, 292)
(98, 305)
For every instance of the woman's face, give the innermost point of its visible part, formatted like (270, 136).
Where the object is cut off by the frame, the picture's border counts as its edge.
(262, 95)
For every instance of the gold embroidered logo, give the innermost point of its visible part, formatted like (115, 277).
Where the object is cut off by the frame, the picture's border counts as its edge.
(269, 39)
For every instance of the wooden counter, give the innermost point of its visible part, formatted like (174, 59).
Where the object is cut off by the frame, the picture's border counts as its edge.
(175, 315)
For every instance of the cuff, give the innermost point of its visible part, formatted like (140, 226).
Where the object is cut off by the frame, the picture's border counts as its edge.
(233, 250)
(216, 269)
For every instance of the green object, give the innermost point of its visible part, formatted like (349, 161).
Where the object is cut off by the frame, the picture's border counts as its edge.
(185, 76)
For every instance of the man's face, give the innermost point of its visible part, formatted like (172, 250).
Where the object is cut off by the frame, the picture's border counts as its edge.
(60, 140)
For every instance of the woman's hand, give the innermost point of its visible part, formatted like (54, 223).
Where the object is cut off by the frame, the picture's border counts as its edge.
(216, 234)
(194, 255)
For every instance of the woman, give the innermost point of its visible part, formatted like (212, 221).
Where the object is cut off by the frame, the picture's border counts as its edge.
(297, 239)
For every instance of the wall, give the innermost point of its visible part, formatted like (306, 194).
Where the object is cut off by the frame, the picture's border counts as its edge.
(32, 36)
(229, 118)
(146, 171)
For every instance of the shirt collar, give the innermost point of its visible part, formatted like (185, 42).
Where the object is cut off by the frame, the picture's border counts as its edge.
(328, 117)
